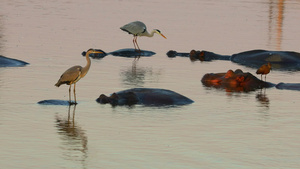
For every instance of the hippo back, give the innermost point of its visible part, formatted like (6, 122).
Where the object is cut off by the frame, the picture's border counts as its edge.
(279, 59)
(152, 96)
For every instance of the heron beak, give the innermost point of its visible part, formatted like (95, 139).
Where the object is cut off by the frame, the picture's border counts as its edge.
(163, 35)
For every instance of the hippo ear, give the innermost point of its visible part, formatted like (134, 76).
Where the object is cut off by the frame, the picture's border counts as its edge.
(201, 53)
(201, 56)
(114, 96)
(103, 99)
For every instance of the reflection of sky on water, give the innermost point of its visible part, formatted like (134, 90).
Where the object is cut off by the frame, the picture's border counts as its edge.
(275, 24)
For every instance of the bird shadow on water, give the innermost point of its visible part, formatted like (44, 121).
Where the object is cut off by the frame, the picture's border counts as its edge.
(73, 137)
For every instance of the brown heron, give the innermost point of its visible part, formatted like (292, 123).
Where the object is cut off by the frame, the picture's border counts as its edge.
(264, 70)
(75, 73)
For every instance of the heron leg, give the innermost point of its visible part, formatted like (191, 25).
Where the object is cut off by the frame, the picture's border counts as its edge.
(75, 93)
(139, 50)
(70, 93)
(134, 40)
(265, 77)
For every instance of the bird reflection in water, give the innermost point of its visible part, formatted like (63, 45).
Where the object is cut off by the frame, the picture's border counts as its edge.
(74, 140)
(262, 98)
(137, 76)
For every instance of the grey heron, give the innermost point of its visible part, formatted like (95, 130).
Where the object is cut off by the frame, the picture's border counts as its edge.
(138, 28)
(75, 73)
(264, 70)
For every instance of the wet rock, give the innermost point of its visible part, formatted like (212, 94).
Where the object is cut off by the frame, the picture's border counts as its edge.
(9, 62)
(145, 96)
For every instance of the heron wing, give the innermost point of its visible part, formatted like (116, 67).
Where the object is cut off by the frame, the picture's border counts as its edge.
(71, 75)
(135, 28)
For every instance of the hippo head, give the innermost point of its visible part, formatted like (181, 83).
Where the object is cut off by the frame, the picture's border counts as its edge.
(124, 98)
(113, 99)
(103, 99)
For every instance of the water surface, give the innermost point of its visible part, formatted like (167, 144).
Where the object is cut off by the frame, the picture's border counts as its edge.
(220, 130)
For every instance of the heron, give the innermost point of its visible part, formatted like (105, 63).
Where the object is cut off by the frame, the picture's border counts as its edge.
(264, 70)
(138, 28)
(75, 73)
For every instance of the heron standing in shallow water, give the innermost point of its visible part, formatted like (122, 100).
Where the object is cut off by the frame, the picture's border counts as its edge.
(264, 70)
(138, 28)
(75, 73)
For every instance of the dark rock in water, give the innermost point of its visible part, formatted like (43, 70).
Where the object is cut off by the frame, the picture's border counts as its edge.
(284, 60)
(145, 96)
(130, 53)
(237, 81)
(9, 62)
(55, 102)
(288, 86)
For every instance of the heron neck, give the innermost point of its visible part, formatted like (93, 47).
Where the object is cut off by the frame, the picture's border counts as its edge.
(150, 34)
(87, 66)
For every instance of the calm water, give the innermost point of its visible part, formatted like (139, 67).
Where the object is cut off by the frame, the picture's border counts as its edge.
(220, 130)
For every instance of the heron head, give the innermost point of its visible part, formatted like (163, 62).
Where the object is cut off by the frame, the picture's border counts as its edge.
(91, 50)
(158, 32)
(95, 53)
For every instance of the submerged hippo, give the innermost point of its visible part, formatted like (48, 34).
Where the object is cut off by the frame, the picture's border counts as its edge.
(288, 86)
(173, 53)
(280, 60)
(198, 55)
(145, 96)
(285, 60)
(130, 53)
(9, 62)
(234, 81)
(206, 56)
(55, 102)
